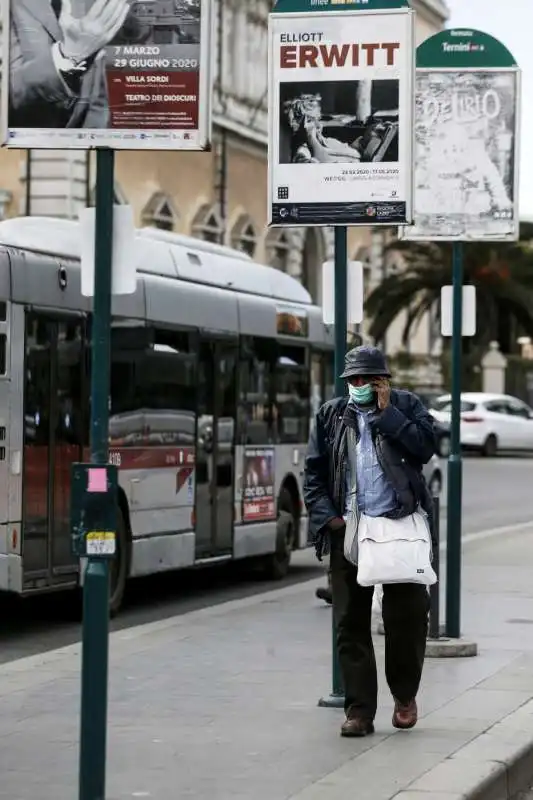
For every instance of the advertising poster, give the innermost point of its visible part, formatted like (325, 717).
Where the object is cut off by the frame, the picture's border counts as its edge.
(259, 478)
(341, 109)
(466, 157)
(125, 74)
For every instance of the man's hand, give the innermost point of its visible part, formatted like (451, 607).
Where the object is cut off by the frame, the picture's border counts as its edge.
(84, 38)
(382, 387)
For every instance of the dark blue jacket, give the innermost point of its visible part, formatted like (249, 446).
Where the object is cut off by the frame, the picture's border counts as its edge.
(405, 439)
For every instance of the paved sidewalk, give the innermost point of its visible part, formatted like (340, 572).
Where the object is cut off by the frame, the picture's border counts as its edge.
(221, 704)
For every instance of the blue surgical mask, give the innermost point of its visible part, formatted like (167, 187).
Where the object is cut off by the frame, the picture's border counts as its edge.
(362, 395)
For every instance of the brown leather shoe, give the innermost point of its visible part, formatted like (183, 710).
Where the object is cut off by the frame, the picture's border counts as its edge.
(357, 726)
(405, 715)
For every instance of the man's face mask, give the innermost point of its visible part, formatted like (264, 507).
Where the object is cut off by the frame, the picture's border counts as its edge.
(362, 395)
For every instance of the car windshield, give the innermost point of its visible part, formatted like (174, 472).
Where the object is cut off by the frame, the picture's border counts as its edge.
(428, 400)
(446, 406)
(440, 404)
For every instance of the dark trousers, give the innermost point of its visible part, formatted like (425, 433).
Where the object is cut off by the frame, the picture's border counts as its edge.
(405, 618)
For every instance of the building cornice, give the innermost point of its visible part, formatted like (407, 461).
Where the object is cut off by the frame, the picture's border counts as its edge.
(436, 8)
(241, 130)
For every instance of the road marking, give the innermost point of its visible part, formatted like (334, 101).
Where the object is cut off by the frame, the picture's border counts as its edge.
(490, 533)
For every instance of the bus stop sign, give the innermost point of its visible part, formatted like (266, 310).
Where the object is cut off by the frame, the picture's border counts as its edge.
(93, 510)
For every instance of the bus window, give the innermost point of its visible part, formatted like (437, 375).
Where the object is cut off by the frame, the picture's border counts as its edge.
(293, 391)
(153, 389)
(256, 367)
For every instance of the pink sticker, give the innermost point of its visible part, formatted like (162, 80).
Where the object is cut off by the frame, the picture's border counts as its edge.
(97, 480)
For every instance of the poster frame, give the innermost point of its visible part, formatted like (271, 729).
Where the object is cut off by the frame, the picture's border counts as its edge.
(273, 118)
(469, 50)
(249, 520)
(137, 139)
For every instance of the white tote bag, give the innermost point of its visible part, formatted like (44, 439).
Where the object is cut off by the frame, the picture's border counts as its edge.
(394, 551)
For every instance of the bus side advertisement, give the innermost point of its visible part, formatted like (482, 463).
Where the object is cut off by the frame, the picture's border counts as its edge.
(259, 480)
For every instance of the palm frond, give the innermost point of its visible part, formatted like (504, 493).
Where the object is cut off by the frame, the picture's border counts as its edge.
(501, 272)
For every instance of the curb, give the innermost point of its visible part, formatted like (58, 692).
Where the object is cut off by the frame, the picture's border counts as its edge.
(496, 765)
(450, 648)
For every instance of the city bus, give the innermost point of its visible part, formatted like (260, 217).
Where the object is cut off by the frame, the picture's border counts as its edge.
(217, 366)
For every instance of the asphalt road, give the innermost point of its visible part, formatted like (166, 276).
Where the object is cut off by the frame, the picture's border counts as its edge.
(496, 493)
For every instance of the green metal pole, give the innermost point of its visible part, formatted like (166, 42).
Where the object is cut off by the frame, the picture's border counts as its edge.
(455, 465)
(95, 644)
(336, 698)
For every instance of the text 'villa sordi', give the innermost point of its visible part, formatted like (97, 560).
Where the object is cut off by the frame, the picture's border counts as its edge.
(309, 51)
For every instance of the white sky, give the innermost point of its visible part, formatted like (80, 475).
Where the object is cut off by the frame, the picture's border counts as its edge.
(510, 21)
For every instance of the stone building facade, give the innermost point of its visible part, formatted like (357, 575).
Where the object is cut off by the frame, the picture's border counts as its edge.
(221, 195)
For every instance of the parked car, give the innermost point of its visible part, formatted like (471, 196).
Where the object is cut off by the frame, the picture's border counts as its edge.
(489, 422)
(442, 427)
(433, 476)
(443, 437)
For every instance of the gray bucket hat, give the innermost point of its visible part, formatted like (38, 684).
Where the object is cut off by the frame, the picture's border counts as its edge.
(365, 360)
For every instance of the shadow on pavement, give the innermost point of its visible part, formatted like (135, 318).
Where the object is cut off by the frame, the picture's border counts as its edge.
(36, 624)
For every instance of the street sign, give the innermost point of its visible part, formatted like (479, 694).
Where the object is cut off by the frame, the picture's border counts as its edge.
(340, 112)
(124, 258)
(354, 294)
(467, 119)
(469, 311)
(129, 75)
(341, 78)
(466, 189)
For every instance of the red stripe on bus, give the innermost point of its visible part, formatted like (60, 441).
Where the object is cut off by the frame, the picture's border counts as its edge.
(182, 476)
(152, 457)
(36, 472)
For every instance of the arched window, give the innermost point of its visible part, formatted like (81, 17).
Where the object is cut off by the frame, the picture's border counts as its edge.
(362, 254)
(160, 213)
(119, 198)
(243, 237)
(278, 250)
(207, 226)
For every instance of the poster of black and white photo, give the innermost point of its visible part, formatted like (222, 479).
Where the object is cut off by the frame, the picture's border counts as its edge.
(341, 98)
(339, 121)
(466, 129)
(112, 73)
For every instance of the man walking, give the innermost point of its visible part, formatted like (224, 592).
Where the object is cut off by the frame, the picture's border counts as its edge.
(369, 449)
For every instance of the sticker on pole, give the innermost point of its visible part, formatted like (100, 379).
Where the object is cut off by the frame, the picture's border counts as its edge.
(101, 543)
(97, 480)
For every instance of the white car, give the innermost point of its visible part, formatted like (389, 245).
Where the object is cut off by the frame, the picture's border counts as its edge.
(433, 476)
(489, 422)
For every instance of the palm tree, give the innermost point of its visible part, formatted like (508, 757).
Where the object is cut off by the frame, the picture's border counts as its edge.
(502, 274)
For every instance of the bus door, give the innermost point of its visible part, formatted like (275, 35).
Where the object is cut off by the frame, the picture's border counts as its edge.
(215, 447)
(55, 432)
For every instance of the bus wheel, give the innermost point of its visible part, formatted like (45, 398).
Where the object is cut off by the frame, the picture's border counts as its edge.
(277, 565)
(118, 568)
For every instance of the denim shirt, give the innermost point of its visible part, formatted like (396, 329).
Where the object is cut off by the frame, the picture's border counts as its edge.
(375, 495)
